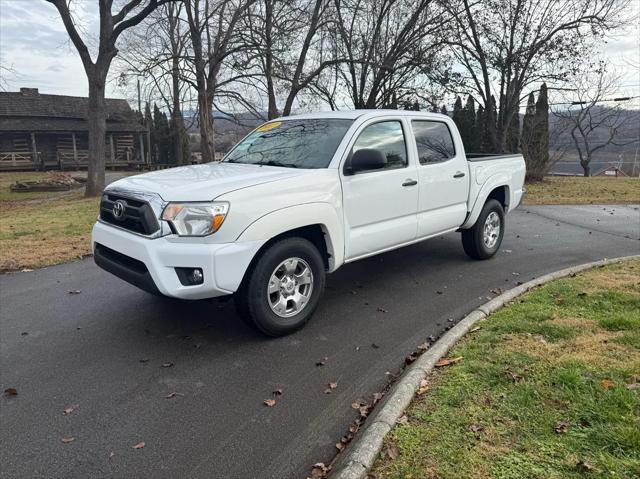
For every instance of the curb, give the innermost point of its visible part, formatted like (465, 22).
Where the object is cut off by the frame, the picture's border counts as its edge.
(364, 450)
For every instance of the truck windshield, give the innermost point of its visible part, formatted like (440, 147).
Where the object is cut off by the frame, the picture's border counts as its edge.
(291, 143)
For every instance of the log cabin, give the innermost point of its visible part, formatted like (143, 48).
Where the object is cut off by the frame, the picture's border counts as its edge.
(39, 132)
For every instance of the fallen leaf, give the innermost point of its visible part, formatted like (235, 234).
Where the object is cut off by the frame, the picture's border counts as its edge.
(439, 292)
(423, 346)
(424, 387)
(476, 428)
(26, 270)
(558, 301)
(173, 394)
(339, 446)
(333, 385)
(140, 445)
(67, 440)
(584, 422)
(74, 291)
(11, 392)
(514, 377)
(277, 392)
(606, 384)
(631, 387)
(497, 291)
(584, 466)
(561, 427)
(270, 402)
(375, 346)
(477, 328)
(355, 405)
(323, 362)
(377, 397)
(392, 452)
(382, 310)
(319, 471)
(24, 333)
(111, 454)
(402, 419)
(447, 361)
(167, 365)
(69, 410)
(410, 358)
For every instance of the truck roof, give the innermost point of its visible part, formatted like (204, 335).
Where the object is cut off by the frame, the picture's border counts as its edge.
(353, 114)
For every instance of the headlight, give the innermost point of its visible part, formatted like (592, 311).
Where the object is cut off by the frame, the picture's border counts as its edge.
(195, 219)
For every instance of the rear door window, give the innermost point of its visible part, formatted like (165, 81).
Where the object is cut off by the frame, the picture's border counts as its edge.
(433, 140)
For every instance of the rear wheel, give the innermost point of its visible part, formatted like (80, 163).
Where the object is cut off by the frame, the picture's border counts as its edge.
(283, 289)
(484, 238)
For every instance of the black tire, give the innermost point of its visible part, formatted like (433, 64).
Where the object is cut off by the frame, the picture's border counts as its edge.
(253, 301)
(473, 238)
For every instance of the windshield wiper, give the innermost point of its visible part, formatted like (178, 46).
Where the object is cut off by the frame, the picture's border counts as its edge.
(278, 163)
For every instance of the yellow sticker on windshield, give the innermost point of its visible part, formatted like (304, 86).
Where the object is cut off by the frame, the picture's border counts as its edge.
(269, 126)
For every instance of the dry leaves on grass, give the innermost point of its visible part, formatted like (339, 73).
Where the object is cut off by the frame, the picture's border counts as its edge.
(561, 427)
(606, 384)
(447, 361)
(392, 452)
(423, 388)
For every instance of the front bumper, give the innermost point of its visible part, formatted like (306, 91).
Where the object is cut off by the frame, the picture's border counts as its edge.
(150, 263)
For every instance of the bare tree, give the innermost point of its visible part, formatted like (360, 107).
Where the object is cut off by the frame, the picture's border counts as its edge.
(214, 38)
(156, 52)
(387, 44)
(507, 45)
(112, 25)
(593, 122)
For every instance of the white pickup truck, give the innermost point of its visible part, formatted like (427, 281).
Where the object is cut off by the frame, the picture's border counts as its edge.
(298, 198)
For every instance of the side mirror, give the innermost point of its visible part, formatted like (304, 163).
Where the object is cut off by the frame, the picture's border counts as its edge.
(367, 159)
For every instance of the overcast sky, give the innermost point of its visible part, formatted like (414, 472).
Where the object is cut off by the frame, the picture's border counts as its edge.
(34, 44)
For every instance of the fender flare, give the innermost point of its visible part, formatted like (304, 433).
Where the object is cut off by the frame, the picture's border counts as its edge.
(286, 219)
(496, 181)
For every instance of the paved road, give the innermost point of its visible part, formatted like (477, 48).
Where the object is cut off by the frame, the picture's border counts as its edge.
(101, 351)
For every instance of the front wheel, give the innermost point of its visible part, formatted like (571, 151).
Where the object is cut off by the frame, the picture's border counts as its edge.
(283, 288)
(483, 239)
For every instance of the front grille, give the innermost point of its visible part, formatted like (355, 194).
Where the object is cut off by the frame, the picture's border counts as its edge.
(137, 215)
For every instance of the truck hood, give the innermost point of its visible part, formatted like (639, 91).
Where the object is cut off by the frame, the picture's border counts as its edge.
(203, 182)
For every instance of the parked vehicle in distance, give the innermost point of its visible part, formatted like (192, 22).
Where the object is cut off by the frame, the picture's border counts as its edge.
(298, 198)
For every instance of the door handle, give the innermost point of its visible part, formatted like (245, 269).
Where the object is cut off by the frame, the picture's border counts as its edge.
(409, 182)
(459, 174)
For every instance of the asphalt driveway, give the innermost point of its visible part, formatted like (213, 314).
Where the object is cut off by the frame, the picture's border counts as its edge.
(113, 354)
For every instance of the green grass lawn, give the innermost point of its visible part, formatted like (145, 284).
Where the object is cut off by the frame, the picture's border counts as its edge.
(549, 387)
(555, 190)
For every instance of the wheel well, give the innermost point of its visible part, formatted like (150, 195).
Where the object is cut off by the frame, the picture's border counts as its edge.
(313, 233)
(501, 194)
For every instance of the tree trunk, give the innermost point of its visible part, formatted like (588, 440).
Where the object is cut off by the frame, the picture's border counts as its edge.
(206, 125)
(177, 120)
(271, 91)
(97, 119)
(586, 168)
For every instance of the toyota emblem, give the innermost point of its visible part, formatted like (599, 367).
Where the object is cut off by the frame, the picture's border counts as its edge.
(118, 209)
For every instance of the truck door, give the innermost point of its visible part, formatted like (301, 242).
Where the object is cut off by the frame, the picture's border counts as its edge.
(380, 205)
(443, 177)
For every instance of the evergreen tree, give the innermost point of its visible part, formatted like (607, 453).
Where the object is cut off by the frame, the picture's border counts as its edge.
(513, 134)
(457, 113)
(478, 131)
(468, 121)
(489, 140)
(161, 137)
(444, 111)
(528, 128)
(542, 133)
